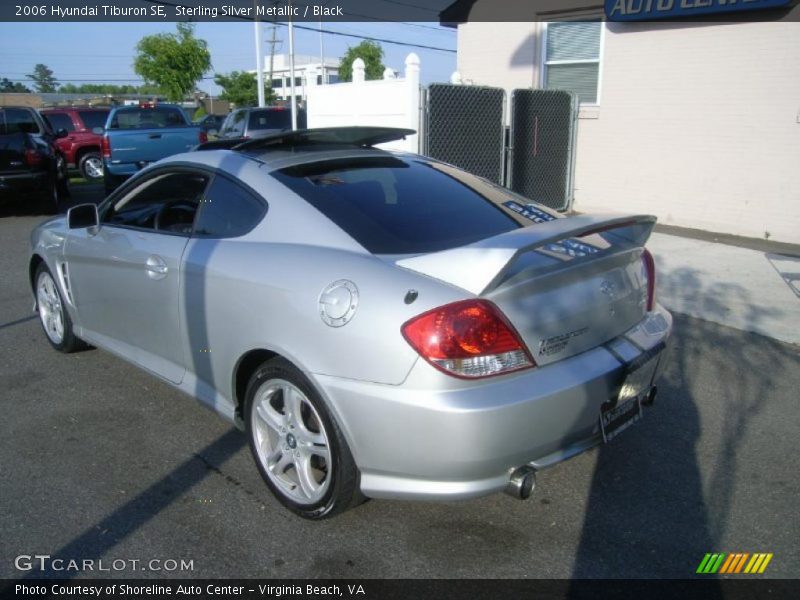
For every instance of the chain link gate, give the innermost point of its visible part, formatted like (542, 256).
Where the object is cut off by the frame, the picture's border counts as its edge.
(542, 146)
(464, 126)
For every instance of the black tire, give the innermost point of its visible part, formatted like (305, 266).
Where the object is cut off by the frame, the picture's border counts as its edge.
(68, 341)
(85, 164)
(62, 177)
(47, 201)
(343, 490)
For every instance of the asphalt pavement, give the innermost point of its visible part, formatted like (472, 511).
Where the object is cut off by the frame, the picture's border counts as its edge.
(99, 460)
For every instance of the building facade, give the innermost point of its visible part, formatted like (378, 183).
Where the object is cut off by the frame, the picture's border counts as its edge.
(697, 122)
(306, 68)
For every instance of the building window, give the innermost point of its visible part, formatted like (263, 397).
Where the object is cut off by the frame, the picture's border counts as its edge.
(276, 83)
(572, 58)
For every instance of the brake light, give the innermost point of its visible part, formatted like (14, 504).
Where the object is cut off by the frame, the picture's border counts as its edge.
(33, 158)
(106, 147)
(468, 339)
(203, 137)
(649, 272)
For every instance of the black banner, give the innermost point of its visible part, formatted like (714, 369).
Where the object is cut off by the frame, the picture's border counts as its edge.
(450, 12)
(440, 589)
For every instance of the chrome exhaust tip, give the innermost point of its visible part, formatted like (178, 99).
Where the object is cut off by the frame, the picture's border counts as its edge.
(521, 483)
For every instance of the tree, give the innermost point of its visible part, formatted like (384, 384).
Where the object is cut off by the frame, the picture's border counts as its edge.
(241, 88)
(173, 61)
(43, 79)
(368, 51)
(7, 85)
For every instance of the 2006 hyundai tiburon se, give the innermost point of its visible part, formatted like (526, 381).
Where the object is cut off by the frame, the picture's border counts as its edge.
(381, 324)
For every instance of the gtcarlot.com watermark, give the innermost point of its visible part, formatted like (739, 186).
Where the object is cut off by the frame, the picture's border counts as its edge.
(45, 562)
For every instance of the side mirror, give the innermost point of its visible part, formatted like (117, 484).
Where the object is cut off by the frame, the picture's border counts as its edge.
(61, 133)
(98, 130)
(83, 216)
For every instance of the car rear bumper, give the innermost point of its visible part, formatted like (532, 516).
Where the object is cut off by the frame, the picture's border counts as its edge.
(437, 437)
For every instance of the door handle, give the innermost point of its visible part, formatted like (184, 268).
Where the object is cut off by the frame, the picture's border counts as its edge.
(156, 267)
(154, 136)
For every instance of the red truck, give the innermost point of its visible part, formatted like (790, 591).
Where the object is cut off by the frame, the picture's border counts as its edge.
(81, 146)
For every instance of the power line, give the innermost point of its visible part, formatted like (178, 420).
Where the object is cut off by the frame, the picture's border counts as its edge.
(328, 31)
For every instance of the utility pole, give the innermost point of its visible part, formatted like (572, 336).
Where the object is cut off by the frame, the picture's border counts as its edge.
(272, 43)
(321, 55)
(259, 57)
(291, 68)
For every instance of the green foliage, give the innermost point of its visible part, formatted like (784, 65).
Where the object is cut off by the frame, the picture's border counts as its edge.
(9, 86)
(241, 88)
(43, 79)
(199, 113)
(173, 61)
(372, 55)
(108, 89)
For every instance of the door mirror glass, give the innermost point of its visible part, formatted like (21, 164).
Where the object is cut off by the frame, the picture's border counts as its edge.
(98, 130)
(61, 133)
(83, 216)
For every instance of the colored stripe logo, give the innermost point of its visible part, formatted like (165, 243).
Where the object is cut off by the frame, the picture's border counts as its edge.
(734, 563)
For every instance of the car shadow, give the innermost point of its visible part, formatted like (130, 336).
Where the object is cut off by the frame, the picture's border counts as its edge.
(652, 511)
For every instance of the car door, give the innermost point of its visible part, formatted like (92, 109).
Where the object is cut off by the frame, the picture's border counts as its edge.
(125, 275)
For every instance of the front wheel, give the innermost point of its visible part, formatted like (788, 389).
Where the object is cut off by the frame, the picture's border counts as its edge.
(53, 314)
(298, 448)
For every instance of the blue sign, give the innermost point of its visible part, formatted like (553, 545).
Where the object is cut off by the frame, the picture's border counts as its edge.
(647, 10)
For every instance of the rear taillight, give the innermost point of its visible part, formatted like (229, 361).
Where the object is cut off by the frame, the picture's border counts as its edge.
(33, 158)
(649, 273)
(106, 147)
(467, 339)
(203, 137)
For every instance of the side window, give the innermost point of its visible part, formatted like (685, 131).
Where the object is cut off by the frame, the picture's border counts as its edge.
(236, 125)
(59, 121)
(228, 210)
(19, 120)
(167, 203)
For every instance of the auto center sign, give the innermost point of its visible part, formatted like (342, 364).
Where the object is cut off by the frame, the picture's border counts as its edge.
(646, 10)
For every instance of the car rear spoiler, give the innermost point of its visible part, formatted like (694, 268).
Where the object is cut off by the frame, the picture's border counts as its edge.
(356, 135)
(481, 267)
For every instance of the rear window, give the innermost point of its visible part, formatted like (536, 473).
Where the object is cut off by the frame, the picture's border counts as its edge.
(270, 119)
(93, 118)
(17, 120)
(394, 206)
(148, 118)
(59, 121)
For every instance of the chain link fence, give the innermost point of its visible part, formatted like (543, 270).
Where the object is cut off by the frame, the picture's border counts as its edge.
(464, 126)
(542, 146)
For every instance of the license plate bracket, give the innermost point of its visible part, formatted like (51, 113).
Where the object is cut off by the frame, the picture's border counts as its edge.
(616, 416)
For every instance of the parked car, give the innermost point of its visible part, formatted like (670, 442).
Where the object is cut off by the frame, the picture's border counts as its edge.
(211, 124)
(23, 119)
(380, 324)
(30, 162)
(81, 146)
(136, 136)
(248, 123)
(28, 169)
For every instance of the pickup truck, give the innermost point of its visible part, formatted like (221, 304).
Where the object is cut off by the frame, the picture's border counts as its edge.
(136, 136)
(31, 165)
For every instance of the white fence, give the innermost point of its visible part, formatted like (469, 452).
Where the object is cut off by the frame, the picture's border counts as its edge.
(391, 102)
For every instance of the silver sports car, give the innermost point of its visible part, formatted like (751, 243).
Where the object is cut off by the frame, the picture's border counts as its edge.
(380, 324)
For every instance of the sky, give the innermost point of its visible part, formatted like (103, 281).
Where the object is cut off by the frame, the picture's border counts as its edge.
(105, 51)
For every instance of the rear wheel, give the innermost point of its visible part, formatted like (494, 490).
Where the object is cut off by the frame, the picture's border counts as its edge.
(47, 201)
(91, 166)
(53, 314)
(62, 177)
(298, 448)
